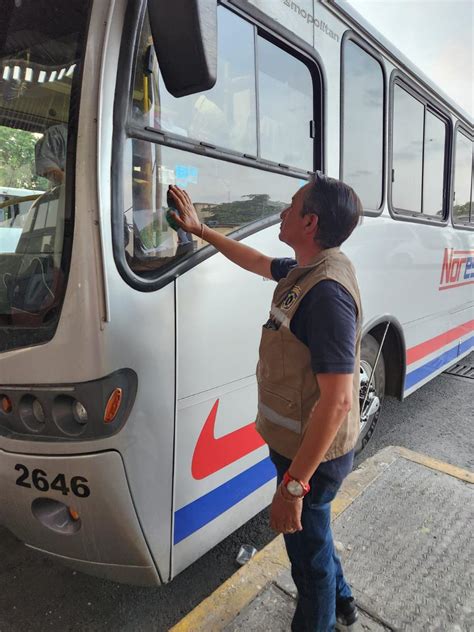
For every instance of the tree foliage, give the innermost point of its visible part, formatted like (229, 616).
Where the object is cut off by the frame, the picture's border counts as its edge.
(461, 211)
(17, 159)
(256, 206)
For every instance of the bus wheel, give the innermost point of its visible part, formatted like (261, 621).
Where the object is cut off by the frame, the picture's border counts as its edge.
(371, 396)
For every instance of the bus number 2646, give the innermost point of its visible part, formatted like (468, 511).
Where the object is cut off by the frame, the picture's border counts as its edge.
(39, 480)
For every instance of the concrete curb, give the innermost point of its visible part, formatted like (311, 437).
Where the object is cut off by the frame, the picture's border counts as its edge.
(225, 603)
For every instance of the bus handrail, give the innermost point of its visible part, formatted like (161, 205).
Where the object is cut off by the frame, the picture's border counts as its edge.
(18, 200)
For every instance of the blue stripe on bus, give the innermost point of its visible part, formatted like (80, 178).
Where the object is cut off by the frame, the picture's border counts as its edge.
(466, 345)
(435, 364)
(198, 513)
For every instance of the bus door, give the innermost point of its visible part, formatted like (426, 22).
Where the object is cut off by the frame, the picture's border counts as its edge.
(223, 472)
(207, 143)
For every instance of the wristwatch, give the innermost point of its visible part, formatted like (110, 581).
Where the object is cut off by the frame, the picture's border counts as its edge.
(295, 487)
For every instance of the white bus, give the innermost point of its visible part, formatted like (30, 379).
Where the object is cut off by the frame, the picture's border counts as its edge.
(128, 350)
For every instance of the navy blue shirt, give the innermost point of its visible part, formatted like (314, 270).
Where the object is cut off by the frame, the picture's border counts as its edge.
(325, 322)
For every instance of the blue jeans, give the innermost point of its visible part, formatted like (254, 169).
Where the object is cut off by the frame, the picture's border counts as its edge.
(315, 567)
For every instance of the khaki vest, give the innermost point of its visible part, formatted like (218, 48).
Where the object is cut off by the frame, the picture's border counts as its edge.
(287, 387)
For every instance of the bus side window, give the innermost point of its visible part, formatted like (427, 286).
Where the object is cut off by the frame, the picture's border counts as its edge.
(225, 115)
(227, 195)
(418, 156)
(286, 107)
(407, 150)
(462, 202)
(363, 124)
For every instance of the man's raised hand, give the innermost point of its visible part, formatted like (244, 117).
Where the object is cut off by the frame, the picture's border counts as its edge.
(186, 217)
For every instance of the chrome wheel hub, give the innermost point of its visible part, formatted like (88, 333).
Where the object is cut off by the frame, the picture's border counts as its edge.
(369, 399)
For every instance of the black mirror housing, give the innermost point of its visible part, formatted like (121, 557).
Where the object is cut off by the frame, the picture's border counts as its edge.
(185, 38)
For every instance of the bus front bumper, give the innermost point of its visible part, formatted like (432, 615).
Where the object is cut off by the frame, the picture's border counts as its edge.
(79, 510)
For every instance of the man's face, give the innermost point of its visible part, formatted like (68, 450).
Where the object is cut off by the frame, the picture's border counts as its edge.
(293, 223)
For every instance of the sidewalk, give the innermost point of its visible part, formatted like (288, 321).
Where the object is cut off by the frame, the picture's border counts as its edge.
(403, 525)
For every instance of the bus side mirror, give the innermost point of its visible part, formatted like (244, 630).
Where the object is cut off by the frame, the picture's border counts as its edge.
(185, 38)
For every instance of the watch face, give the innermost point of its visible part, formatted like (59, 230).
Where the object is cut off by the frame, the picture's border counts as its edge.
(295, 488)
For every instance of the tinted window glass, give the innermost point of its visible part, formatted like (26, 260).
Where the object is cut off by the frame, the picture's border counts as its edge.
(408, 115)
(286, 107)
(41, 49)
(433, 175)
(363, 125)
(226, 196)
(225, 115)
(462, 179)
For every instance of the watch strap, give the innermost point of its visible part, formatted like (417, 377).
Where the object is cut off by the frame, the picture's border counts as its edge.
(304, 486)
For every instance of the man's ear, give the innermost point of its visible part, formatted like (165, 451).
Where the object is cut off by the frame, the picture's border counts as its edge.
(311, 223)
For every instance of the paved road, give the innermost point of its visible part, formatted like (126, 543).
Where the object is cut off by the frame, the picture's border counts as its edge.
(37, 594)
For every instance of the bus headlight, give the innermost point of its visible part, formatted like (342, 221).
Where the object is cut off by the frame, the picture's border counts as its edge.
(80, 413)
(70, 415)
(32, 413)
(88, 410)
(38, 411)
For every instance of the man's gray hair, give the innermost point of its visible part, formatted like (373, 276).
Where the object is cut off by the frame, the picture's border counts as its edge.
(337, 207)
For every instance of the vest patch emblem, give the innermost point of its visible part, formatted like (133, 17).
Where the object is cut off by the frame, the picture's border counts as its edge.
(291, 298)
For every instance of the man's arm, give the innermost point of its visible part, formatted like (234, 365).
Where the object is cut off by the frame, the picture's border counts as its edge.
(325, 419)
(244, 256)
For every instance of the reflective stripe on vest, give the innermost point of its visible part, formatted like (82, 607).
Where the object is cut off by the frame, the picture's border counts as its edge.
(279, 420)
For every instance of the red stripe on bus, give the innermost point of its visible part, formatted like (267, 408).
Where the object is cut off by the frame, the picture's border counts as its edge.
(429, 346)
(448, 287)
(211, 453)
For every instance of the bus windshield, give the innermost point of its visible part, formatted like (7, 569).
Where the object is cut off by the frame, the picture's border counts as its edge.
(41, 48)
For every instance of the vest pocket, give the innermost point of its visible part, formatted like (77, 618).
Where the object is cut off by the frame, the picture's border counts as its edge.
(280, 405)
(270, 364)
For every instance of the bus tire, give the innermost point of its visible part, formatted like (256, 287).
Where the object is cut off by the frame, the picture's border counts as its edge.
(373, 406)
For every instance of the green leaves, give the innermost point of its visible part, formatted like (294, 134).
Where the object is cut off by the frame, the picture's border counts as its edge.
(17, 159)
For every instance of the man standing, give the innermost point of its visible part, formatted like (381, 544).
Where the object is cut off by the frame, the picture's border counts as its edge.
(308, 382)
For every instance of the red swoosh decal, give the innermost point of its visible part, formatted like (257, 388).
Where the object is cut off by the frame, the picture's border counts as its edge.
(211, 454)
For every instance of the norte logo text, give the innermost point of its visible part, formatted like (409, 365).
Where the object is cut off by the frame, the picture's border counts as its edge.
(457, 268)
